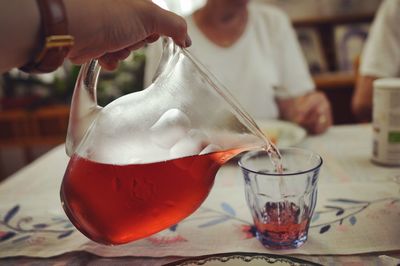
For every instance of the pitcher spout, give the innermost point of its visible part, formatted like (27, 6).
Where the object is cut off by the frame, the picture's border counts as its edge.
(84, 107)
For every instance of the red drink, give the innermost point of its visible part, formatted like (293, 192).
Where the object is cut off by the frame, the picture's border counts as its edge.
(116, 204)
(282, 225)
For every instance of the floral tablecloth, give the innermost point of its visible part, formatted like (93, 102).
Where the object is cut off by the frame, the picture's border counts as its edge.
(358, 210)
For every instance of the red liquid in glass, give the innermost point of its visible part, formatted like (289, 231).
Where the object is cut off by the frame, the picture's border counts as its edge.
(116, 204)
(283, 223)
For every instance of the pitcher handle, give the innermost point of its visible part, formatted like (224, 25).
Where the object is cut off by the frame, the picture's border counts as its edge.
(169, 50)
(91, 75)
(84, 107)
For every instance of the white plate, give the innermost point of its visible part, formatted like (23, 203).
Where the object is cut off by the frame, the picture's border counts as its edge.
(241, 258)
(283, 133)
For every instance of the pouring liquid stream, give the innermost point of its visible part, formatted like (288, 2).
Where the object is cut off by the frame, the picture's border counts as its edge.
(276, 160)
(272, 151)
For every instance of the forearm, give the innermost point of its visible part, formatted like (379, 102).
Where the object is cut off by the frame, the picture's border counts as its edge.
(19, 31)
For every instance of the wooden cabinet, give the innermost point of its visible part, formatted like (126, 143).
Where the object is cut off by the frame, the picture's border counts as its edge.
(45, 126)
(30, 133)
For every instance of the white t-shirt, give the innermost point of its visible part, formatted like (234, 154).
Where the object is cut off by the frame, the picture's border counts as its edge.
(381, 54)
(266, 62)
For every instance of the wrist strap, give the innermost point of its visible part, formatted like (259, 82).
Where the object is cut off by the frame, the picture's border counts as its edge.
(55, 41)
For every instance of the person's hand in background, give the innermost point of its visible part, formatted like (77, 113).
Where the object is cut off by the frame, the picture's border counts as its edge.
(311, 111)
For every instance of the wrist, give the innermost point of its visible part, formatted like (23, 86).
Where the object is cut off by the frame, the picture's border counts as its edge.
(55, 40)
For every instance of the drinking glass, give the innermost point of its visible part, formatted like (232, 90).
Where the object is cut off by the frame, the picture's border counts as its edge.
(281, 202)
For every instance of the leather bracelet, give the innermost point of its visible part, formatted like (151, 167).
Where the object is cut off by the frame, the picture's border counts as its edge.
(55, 40)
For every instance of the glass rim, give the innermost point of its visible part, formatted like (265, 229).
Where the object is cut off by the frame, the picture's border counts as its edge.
(249, 154)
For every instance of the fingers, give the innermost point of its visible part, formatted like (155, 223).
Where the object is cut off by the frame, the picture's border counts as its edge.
(322, 117)
(152, 38)
(320, 121)
(169, 24)
(305, 107)
(314, 113)
(84, 55)
(110, 61)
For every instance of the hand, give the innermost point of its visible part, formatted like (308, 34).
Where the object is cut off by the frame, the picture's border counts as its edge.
(110, 29)
(311, 111)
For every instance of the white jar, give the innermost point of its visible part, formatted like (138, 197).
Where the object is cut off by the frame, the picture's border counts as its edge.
(386, 121)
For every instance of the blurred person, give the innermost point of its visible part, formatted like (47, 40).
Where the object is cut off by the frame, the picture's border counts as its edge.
(253, 50)
(38, 35)
(380, 57)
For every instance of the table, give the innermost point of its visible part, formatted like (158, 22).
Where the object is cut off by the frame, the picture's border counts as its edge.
(346, 152)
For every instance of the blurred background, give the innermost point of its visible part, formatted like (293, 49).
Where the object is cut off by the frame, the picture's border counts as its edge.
(34, 109)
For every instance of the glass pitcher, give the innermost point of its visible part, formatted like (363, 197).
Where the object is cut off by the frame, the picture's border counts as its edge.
(148, 159)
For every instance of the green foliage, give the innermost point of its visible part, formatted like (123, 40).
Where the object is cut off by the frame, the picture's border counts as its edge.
(57, 87)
